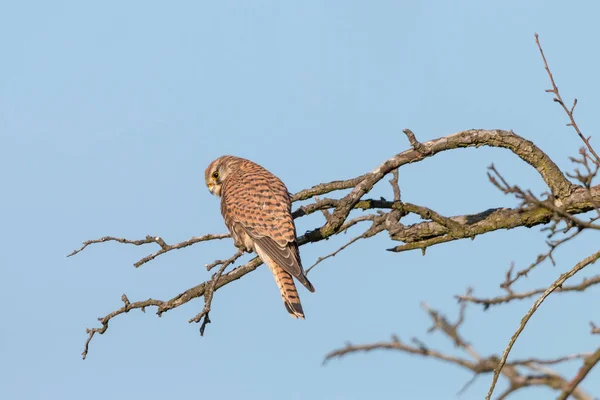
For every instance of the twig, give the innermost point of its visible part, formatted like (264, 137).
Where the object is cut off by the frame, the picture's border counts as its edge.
(510, 280)
(209, 292)
(152, 239)
(226, 262)
(487, 302)
(104, 321)
(149, 239)
(396, 344)
(412, 139)
(560, 101)
(395, 185)
(375, 228)
(588, 363)
(536, 361)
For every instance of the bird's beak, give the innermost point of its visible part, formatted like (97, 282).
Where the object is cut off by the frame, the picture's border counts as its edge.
(211, 188)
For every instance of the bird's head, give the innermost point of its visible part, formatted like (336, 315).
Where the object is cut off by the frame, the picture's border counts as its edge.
(218, 171)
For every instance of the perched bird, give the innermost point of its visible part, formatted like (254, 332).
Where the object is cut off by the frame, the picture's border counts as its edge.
(256, 207)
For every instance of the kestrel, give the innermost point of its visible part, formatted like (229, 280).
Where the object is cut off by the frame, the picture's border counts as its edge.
(256, 207)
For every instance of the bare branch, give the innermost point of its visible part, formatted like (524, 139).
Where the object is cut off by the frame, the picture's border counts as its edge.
(210, 290)
(396, 344)
(536, 361)
(152, 239)
(180, 299)
(588, 363)
(477, 364)
(487, 302)
(510, 280)
(126, 308)
(558, 99)
(426, 234)
(375, 228)
(525, 149)
(578, 267)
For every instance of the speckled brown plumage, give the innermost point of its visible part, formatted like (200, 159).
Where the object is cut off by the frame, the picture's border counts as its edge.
(256, 207)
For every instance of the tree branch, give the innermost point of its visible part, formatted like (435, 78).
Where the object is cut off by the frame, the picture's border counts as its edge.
(426, 234)
(180, 299)
(164, 247)
(477, 364)
(526, 150)
(558, 283)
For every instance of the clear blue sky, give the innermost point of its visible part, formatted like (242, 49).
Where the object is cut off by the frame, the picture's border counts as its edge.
(110, 112)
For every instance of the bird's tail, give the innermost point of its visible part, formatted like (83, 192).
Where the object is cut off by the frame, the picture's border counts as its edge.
(288, 291)
(286, 285)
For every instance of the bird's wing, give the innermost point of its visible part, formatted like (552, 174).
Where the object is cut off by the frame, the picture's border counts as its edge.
(285, 256)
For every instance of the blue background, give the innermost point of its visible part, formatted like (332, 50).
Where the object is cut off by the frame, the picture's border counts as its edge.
(109, 113)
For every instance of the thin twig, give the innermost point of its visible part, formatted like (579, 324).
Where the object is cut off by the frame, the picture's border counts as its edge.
(164, 247)
(375, 228)
(210, 290)
(487, 302)
(510, 280)
(126, 308)
(560, 101)
(588, 363)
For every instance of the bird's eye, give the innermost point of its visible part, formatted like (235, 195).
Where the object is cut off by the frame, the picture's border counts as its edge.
(215, 174)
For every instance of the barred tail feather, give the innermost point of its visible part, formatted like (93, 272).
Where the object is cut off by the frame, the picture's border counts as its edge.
(288, 291)
(286, 285)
